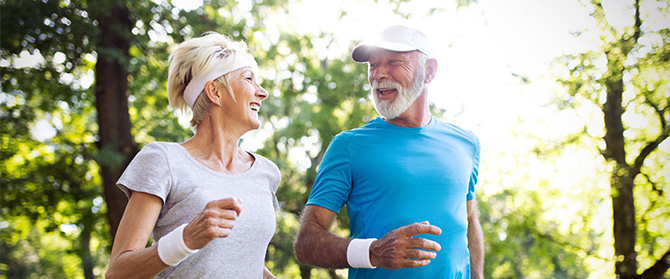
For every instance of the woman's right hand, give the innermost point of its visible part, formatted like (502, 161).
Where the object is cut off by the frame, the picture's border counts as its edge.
(216, 220)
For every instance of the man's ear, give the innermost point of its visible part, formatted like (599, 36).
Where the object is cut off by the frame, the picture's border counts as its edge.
(213, 93)
(431, 69)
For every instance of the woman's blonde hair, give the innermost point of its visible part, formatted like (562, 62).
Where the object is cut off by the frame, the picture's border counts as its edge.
(194, 58)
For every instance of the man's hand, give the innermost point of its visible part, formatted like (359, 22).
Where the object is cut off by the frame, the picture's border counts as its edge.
(399, 248)
(216, 220)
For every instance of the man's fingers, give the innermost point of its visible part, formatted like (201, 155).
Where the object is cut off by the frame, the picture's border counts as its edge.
(403, 263)
(421, 228)
(416, 263)
(424, 244)
(418, 254)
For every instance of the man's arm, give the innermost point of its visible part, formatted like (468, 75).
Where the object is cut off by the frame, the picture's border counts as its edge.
(475, 241)
(316, 245)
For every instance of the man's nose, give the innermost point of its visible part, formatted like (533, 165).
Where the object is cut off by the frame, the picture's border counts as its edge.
(380, 73)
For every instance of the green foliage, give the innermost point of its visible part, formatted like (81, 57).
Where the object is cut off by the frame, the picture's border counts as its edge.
(51, 201)
(637, 57)
(540, 215)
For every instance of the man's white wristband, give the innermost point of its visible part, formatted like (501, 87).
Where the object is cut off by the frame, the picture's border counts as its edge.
(172, 249)
(358, 253)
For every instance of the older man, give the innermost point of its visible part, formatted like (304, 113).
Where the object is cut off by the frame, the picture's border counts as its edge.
(407, 179)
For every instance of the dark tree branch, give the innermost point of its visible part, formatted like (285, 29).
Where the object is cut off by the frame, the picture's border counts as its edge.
(638, 22)
(659, 268)
(563, 243)
(654, 187)
(651, 146)
(660, 112)
(647, 150)
(333, 274)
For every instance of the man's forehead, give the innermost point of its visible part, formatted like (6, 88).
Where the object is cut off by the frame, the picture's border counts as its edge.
(379, 53)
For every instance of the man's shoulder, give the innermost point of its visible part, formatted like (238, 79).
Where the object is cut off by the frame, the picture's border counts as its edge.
(456, 130)
(370, 125)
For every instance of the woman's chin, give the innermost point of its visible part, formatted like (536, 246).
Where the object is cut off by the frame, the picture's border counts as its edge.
(255, 124)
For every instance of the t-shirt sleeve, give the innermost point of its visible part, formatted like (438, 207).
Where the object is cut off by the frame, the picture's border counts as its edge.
(148, 172)
(274, 185)
(475, 169)
(333, 180)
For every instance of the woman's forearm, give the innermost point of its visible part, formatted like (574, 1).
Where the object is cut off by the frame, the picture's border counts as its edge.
(143, 263)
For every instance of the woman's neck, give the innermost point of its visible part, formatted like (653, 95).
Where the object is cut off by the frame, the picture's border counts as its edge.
(217, 148)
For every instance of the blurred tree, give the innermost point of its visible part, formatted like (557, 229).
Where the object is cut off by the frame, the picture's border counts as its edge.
(55, 155)
(112, 44)
(543, 212)
(540, 219)
(48, 185)
(627, 80)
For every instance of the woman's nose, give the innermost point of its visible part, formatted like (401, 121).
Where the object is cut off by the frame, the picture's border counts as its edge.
(261, 92)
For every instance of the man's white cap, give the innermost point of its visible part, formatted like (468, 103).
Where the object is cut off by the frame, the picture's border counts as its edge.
(395, 38)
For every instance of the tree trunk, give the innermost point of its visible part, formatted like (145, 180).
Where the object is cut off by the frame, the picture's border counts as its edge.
(621, 183)
(624, 226)
(111, 92)
(333, 274)
(305, 272)
(87, 262)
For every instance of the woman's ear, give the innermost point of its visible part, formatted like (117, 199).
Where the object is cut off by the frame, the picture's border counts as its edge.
(213, 93)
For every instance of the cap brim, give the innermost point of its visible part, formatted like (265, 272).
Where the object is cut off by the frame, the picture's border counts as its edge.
(361, 53)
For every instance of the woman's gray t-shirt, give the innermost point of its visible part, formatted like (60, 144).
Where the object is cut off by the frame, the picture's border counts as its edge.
(185, 185)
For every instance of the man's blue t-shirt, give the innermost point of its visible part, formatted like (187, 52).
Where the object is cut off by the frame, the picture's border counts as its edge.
(391, 176)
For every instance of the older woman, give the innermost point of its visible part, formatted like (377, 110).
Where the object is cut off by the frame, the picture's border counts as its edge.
(208, 204)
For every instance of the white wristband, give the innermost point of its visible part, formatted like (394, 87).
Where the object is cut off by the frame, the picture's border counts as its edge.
(358, 253)
(171, 247)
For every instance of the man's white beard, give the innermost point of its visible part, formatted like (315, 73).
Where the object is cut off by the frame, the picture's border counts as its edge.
(403, 100)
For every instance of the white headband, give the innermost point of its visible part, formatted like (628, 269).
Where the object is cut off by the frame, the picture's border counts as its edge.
(197, 84)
